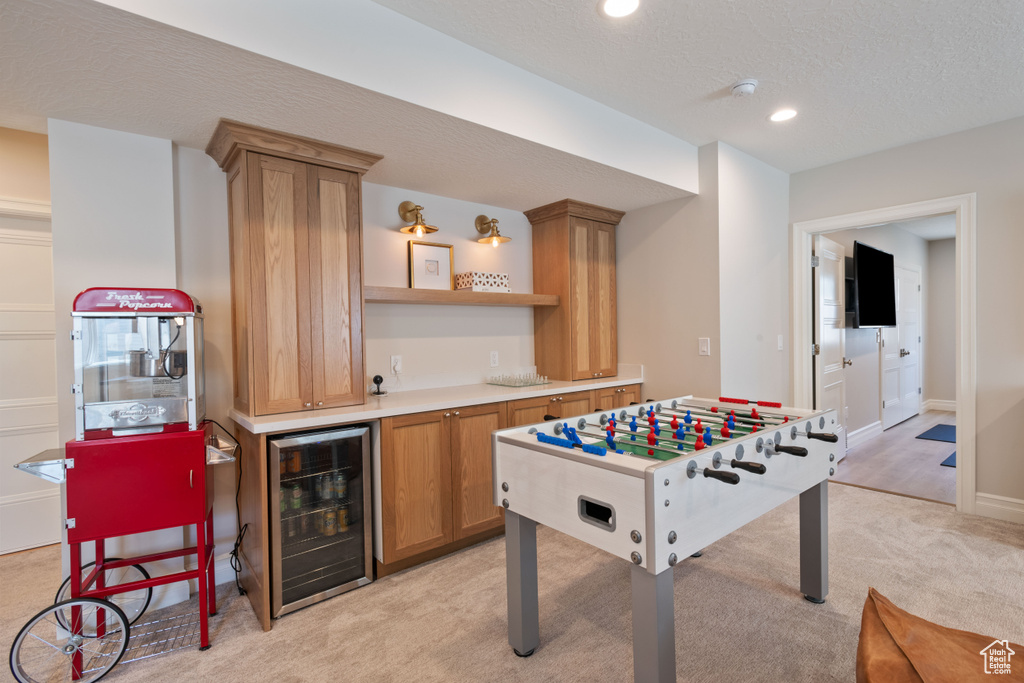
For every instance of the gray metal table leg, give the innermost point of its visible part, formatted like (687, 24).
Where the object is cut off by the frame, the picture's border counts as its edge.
(521, 579)
(654, 628)
(814, 542)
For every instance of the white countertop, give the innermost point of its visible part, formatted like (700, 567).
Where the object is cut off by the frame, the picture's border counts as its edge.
(423, 400)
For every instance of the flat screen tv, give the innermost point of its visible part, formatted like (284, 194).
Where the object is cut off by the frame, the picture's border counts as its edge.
(874, 287)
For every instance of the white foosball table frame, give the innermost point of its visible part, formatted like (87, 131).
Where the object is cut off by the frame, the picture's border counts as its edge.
(654, 513)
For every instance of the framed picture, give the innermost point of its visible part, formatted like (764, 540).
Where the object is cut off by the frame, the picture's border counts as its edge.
(431, 266)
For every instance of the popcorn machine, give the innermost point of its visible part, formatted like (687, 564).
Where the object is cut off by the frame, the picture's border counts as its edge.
(140, 462)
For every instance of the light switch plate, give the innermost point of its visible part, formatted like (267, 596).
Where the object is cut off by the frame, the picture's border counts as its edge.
(396, 365)
(704, 346)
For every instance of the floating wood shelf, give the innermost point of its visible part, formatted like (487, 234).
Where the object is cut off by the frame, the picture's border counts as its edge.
(403, 295)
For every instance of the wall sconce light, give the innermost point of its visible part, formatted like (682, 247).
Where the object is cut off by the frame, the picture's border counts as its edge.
(489, 228)
(410, 213)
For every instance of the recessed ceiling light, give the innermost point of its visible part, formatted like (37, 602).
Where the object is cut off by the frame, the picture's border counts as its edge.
(619, 8)
(782, 115)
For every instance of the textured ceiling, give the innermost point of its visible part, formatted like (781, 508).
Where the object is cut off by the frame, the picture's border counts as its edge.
(865, 75)
(86, 62)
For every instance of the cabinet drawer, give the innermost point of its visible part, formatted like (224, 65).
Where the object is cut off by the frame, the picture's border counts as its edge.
(614, 398)
(532, 410)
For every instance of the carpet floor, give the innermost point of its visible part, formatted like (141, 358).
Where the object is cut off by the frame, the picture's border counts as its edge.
(739, 612)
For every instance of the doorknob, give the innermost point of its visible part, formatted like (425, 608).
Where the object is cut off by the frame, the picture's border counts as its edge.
(847, 361)
(904, 352)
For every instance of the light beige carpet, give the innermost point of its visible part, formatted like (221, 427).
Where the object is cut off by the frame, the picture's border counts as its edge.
(739, 613)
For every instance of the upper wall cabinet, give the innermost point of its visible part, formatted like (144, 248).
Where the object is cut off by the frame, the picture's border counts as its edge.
(296, 268)
(574, 257)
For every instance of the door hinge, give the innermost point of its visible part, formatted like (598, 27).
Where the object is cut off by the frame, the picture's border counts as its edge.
(76, 334)
(815, 261)
(919, 288)
(69, 523)
(76, 388)
(919, 391)
(918, 340)
(815, 349)
(69, 463)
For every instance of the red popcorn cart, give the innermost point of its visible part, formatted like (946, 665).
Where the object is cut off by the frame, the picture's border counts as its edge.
(141, 461)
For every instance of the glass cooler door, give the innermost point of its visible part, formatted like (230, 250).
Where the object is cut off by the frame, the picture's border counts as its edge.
(321, 529)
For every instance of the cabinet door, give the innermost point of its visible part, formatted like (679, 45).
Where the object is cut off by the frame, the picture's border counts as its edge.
(335, 246)
(616, 397)
(280, 291)
(416, 484)
(580, 272)
(473, 507)
(530, 411)
(574, 404)
(602, 317)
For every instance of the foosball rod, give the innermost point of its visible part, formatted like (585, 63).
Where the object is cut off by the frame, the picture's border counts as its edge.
(760, 420)
(741, 429)
(694, 434)
(782, 418)
(638, 444)
(641, 444)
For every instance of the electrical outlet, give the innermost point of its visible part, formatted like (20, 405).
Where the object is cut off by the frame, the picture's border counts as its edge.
(494, 359)
(704, 346)
(396, 365)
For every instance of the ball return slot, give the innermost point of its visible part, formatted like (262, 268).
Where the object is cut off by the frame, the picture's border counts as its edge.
(599, 514)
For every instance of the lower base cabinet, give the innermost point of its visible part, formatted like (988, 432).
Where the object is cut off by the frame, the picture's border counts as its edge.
(436, 486)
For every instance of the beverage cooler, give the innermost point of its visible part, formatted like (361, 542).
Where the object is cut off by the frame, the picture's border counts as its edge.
(321, 531)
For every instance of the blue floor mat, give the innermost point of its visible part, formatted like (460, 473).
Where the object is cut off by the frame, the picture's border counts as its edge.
(950, 461)
(940, 433)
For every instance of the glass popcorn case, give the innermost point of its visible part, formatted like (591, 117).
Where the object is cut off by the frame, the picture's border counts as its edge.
(138, 362)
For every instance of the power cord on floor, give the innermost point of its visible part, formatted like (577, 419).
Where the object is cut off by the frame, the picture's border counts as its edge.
(234, 560)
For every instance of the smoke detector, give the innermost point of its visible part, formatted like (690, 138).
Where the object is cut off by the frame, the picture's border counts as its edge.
(744, 87)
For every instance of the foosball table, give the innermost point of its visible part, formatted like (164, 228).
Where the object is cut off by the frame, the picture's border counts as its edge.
(656, 483)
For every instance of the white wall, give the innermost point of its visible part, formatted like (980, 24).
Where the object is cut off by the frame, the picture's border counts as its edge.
(113, 226)
(940, 332)
(863, 393)
(444, 345)
(204, 271)
(667, 287)
(753, 277)
(988, 161)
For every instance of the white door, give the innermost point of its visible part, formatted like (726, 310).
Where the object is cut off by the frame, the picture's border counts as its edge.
(829, 332)
(901, 352)
(29, 506)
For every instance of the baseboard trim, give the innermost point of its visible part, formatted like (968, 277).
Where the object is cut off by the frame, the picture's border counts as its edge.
(857, 437)
(939, 404)
(999, 507)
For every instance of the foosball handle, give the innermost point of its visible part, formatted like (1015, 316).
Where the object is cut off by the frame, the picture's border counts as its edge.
(799, 451)
(755, 467)
(821, 436)
(727, 477)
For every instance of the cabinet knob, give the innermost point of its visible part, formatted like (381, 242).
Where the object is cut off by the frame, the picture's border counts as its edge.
(600, 374)
(559, 398)
(553, 399)
(319, 403)
(456, 413)
(307, 404)
(447, 414)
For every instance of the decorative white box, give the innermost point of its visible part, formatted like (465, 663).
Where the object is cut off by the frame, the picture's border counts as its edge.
(483, 282)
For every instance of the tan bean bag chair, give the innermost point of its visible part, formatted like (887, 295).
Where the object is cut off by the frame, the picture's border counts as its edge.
(897, 647)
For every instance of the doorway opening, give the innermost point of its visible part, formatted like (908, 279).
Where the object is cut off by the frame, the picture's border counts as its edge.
(962, 211)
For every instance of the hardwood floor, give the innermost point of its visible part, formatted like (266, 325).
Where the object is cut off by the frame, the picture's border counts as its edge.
(898, 462)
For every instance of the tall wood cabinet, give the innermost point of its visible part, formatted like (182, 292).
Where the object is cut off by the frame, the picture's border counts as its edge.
(574, 257)
(436, 482)
(296, 268)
